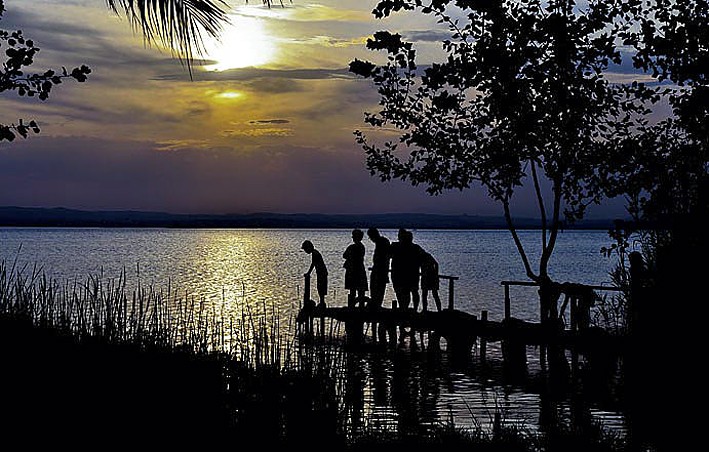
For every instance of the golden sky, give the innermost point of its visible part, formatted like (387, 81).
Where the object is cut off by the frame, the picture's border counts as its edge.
(265, 124)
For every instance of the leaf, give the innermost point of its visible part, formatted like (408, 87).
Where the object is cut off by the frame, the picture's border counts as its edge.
(362, 68)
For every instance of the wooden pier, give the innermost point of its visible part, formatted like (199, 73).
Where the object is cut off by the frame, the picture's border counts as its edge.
(462, 331)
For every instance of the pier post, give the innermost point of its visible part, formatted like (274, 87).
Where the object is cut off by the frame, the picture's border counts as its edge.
(306, 291)
(308, 306)
(353, 331)
(434, 341)
(460, 345)
(483, 340)
(451, 293)
(508, 309)
(514, 352)
(637, 272)
(573, 314)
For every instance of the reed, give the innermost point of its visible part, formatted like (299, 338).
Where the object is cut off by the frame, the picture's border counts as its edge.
(95, 357)
(85, 347)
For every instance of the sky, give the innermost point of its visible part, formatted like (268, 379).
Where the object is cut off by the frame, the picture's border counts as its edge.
(264, 125)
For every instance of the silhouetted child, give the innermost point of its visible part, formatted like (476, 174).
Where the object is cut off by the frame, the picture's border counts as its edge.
(397, 257)
(429, 280)
(405, 267)
(379, 277)
(317, 264)
(355, 274)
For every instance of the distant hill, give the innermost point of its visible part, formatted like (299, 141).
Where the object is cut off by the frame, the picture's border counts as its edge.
(61, 217)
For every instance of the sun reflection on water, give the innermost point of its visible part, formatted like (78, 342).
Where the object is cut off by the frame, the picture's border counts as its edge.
(255, 270)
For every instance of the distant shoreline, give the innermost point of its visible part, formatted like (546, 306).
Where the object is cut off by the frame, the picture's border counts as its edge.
(61, 217)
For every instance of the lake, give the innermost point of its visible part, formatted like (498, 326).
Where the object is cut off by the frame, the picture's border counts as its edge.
(234, 268)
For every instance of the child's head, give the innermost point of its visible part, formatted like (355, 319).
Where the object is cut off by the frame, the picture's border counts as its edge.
(308, 246)
(357, 235)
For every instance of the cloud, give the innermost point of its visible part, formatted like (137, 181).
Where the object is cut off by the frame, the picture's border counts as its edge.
(197, 108)
(330, 41)
(426, 35)
(261, 128)
(95, 40)
(271, 85)
(269, 121)
(305, 13)
(263, 132)
(251, 74)
(194, 177)
(140, 134)
(176, 145)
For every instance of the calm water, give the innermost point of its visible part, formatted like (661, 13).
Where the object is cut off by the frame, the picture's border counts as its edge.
(267, 265)
(264, 267)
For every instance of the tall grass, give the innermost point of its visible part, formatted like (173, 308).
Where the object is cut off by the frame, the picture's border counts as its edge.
(151, 318)
(183, 363)
(122, 360)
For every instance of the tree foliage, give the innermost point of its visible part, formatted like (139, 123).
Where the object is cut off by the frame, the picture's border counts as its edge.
(20, 53)
(177, 24)
(669, 164)
(522, 96)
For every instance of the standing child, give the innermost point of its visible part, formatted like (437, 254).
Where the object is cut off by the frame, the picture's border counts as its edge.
(429, 280)
(379, 277)
(355, 274)
(318, 264)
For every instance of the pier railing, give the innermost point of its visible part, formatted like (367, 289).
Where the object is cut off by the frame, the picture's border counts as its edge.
(451, 289)
(573, 297)
(570, 292)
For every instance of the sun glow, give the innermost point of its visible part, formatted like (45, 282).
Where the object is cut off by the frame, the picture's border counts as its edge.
(244, 42)
(229, 95)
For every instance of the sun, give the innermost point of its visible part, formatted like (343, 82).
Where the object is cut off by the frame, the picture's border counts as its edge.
(244, 42)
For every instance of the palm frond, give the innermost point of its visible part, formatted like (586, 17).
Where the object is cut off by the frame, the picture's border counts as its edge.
(178, 25)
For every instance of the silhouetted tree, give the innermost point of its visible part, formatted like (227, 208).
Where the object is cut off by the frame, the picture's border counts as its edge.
(176, 24)
(522, 97)
(667, 177)
(20, 53)
(668, 165)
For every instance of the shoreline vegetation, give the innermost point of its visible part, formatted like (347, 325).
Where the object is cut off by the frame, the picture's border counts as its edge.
(62, 217)
(90, 362)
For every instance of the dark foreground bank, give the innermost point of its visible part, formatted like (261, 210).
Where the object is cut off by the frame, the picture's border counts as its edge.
(61, 390)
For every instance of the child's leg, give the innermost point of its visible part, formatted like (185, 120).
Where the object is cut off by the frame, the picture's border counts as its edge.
(437, 298)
